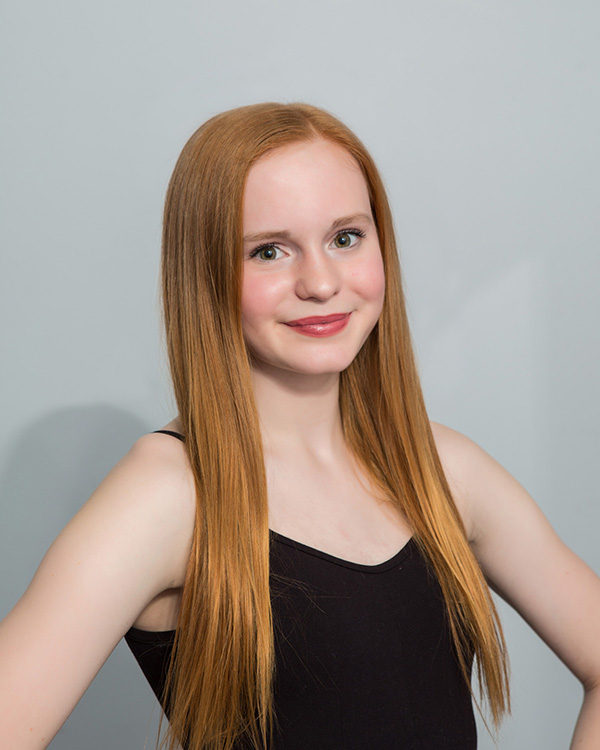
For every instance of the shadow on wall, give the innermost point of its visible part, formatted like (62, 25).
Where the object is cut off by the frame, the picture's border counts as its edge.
(53, 467)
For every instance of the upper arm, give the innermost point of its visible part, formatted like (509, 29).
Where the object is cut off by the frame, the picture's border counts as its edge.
(128, 543)
(522, 557)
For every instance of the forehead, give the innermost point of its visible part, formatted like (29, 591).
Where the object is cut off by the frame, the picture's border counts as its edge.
(315, 180)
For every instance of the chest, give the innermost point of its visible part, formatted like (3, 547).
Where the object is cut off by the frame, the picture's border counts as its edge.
(336, 512)
(363, 653)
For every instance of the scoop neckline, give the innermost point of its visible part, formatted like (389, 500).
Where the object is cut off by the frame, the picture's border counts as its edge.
(403, 552)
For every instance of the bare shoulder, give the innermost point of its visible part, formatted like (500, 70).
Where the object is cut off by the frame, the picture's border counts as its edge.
(451, 443)
(523, 558)
(161, 456)
(460, 458)
(483, 490)
(489, 498)
(127, 544)
(143, 511)
(157, 473)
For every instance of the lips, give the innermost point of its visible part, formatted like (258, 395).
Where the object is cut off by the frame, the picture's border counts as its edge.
(316, 320)
(320, 326)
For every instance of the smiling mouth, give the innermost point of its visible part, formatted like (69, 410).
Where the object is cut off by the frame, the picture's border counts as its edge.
(316, 320)
(320, 326)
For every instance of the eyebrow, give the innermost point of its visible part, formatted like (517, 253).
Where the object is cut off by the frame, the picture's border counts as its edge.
(344, 221)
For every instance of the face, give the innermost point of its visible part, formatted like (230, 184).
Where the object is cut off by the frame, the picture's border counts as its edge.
(313, 280)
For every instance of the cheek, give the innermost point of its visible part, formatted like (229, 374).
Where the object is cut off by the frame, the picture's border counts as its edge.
(369, 280)
(260, 297)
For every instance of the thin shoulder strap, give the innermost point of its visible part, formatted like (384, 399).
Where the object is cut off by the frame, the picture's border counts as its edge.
(175, 434)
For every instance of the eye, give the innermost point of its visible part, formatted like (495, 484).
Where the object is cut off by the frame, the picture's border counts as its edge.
(266, 252)
(347, 238)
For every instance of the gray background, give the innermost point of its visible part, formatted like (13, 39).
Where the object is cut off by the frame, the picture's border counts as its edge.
(484, 119)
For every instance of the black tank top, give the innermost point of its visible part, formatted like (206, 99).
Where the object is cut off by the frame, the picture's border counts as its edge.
(363, 656)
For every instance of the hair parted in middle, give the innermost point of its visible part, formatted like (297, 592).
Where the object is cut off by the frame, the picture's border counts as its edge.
(220, 681)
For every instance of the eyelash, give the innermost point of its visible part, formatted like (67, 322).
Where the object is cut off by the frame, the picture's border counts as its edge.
(357, 232)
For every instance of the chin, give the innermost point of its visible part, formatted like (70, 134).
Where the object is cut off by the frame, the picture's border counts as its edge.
(324, 366)
(324, 360)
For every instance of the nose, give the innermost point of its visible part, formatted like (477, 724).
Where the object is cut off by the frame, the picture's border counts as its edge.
(318, 276)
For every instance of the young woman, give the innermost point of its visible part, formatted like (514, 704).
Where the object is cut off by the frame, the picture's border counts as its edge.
(299, 559)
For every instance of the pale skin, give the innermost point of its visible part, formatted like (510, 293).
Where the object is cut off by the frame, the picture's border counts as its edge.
(121, 560)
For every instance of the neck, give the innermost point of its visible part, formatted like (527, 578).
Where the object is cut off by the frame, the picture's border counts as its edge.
(299, 413)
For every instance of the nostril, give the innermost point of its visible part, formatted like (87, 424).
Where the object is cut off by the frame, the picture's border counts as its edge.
(318, 279)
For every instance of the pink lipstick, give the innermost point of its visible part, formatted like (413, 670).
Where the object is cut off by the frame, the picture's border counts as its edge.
(320, 325)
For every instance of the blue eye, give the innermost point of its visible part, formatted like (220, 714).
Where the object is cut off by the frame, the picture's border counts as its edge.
(347, 238)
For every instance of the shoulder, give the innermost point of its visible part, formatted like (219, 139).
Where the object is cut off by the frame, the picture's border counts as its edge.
(156, 466)
(490, 500)
(480, 486)
(160, 456)
(157, 481)
(523, 558)
(128, 543)
(460, 458)
(458, 453)
(143, 510)
(447, 440)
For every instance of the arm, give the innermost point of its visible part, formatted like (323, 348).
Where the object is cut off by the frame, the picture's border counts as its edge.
(126, 545)
(529, 566)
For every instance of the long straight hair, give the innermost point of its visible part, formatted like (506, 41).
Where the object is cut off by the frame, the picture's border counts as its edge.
(219, 686)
